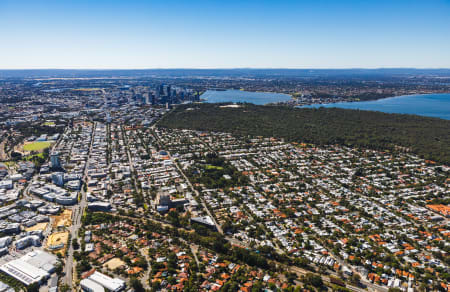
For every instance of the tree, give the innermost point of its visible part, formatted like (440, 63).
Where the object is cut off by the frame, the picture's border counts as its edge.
(155, 285)
(58, 269)
(291, 277)
(356, 278)
(172, 260)
(141, 262)
(314, 280)
(64, 288)
(75, 244)
(173, 218)
(136, 285)
(33, 287)
(83, 266)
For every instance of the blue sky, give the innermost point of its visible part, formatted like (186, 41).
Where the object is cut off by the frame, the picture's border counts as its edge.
(224, 34)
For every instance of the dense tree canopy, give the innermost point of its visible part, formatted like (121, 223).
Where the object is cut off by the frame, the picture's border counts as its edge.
(427, 137)
(211, 171)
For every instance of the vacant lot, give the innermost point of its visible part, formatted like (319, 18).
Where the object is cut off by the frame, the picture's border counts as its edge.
(56, 239)
(39, 226)
(63, 220)
(36, 146)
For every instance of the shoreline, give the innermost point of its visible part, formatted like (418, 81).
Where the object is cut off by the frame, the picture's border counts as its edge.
(373, 100)
(427, 105)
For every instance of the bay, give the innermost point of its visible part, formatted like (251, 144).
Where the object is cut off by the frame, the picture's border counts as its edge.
(430, 105)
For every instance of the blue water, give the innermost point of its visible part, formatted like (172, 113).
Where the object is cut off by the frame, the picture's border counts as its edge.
(430, 105)
(215, 96)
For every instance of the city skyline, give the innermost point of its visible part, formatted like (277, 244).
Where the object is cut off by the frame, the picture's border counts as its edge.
(212, 34)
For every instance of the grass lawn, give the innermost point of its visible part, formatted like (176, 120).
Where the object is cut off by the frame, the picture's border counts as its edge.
(36, 146)
(30, 157)
(209, 166)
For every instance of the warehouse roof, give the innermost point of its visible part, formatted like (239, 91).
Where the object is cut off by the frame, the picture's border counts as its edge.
(23, 271)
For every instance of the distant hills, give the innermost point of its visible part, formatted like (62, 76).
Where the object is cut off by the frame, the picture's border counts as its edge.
(427, 137)
(239, 72)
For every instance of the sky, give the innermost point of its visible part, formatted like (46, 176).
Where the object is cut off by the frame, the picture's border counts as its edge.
(98, 34)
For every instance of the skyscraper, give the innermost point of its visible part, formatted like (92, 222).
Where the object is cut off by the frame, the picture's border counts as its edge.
(54, 159)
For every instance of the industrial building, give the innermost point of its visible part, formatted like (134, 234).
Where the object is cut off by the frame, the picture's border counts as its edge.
(31, 268)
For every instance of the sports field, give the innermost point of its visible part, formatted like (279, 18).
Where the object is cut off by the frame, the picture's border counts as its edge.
(114, 263)
(36, 146)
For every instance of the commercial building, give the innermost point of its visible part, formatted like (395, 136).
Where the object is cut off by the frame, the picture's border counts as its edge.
(24, 272)
(58, 178)
(31, 240)
(91, 286)
(6, 184)
(99, 206)
(112, 284)
(54, 193)
(205, 221)
(54, 159)
(5, 241)
(165, 202)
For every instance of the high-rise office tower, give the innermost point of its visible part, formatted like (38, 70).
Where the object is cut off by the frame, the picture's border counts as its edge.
(54, 159)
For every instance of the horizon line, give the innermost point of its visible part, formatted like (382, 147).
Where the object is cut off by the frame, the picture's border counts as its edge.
(231, 68)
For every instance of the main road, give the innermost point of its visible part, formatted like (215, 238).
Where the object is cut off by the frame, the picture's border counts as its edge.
(77, 214)
(130, 161)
